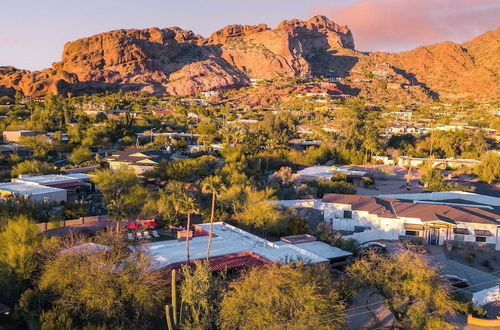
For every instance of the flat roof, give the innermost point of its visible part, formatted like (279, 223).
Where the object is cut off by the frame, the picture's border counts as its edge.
(52, 178)
(29, 189)
(327, 171)
(231, 240)
(324, 250)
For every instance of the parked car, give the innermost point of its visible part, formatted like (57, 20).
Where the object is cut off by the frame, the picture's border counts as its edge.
(373, 246)
(455, 281)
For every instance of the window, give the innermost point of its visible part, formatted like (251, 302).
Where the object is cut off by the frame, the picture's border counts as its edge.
(458, 237)
(411, 233)
(347, 214)
(360, 229)
(481, 239)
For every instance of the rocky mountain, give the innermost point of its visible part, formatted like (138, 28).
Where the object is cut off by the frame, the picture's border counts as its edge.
(179, 62)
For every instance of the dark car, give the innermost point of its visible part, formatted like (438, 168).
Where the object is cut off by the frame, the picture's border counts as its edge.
(455, 281)
(373, 246)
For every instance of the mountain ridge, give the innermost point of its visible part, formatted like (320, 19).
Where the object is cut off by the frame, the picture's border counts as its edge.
(180, 62)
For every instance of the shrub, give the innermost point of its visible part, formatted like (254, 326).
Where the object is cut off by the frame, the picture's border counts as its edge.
(470, 258)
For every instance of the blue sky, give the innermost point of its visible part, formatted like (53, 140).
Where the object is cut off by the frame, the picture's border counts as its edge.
(33, 32)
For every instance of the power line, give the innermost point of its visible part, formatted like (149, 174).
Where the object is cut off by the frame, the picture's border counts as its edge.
(385, 300)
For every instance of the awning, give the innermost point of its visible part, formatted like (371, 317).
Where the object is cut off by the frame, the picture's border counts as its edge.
(413, 226)
(479, 232)
(461, 231)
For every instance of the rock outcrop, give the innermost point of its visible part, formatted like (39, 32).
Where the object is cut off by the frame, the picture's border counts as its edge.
(176, 61)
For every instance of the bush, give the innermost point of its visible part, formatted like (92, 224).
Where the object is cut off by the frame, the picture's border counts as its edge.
(330, 187)
(470, 258)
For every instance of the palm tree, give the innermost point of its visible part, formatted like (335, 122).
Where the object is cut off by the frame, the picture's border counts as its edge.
(117, 212)
(212, 184)
(187, 205)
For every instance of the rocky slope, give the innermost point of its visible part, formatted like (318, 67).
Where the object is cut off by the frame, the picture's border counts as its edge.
(176, 61)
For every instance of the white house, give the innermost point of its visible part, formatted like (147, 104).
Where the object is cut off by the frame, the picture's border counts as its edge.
(32, 191)
(367, 218)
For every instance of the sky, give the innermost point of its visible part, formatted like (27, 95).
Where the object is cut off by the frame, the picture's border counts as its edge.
(33, 32)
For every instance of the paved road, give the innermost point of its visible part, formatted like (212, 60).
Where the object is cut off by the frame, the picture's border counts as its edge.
(478, 280)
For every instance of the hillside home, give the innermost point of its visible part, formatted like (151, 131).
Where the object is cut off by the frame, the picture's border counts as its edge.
(458, 223)
(136, 159)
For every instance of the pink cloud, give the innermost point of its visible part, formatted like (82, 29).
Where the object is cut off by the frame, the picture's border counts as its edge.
(10, 42)
(395, 25)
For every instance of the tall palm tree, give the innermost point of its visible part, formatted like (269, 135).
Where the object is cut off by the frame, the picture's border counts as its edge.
(212, 184)
(117, 212)
(187, 205)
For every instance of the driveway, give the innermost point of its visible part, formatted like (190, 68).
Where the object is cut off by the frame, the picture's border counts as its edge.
(478, 280)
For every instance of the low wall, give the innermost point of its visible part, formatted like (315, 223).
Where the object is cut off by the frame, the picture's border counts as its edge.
(300, 203)
(486, 247)
(471, 320)
(372, 235)
(413, 239)
(44, 226)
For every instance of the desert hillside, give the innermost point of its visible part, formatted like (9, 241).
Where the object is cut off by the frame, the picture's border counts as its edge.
(179, 62)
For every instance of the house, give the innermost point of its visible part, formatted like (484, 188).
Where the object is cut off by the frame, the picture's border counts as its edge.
(6, 150)
(16, 135)
(405, 161)
(136, 159)
(322, 172)
(161, 113)
(233, 247)
(76, 185)
(453, 222)
(33, 192)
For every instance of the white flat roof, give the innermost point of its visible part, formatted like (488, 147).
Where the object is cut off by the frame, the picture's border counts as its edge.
(52, 178)
(326, 171)
(230, 240)
(324, 250)
(29, 189)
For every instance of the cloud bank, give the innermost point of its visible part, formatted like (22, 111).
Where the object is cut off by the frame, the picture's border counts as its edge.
(397, 25)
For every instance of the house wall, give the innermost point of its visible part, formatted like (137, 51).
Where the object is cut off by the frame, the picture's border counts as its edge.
(56, 196)
(380, 228)
(471, 226)
(15, 136)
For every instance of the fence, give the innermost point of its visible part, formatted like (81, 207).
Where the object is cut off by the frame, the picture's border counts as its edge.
(45, 226)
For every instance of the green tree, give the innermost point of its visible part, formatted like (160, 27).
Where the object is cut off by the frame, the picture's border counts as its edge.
(213, 185)
(38, 145)
(201, 291)
(32, 167)
(115, 289)
(290, 297)
(114, 184)
(80, 154)
(18, 247)
(415, 295)
(489, 169)
(431, 177)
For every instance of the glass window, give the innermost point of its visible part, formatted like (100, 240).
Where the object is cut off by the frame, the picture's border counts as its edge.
(481, 239)
(411, 233)
(359, 229)
(348, 214)
(458, 237)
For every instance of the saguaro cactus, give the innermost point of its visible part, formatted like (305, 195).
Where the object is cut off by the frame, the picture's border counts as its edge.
(174, 320)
